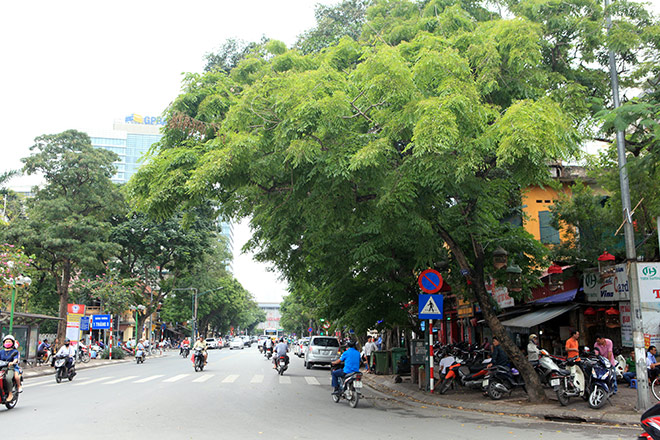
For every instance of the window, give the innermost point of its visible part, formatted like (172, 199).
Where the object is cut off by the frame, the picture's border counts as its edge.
(549, 235)
(325, 342)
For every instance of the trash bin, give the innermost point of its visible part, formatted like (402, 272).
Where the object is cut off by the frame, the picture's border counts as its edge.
(382, 359)
(397, 355)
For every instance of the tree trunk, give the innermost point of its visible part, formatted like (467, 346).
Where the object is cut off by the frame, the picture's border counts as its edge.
(63, 292)
(476, 277)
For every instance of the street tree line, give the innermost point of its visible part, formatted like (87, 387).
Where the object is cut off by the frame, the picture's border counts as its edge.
(88, 245)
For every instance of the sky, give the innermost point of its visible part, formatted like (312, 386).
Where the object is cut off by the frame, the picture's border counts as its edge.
(83, 64)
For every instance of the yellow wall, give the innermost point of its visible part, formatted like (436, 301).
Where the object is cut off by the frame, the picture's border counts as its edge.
(534, 200)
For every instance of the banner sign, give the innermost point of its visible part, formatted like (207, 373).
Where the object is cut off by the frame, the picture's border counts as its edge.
(101, 322)
(614, 288)
(649, 293)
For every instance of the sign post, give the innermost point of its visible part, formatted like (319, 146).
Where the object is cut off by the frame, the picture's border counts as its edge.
(430, 307)
(110, 345)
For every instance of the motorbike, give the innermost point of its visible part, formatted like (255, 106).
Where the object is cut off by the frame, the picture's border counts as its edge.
(269, 353)
(500, 380)
(4, 366)
(650, 421)
(350, 386)
(198, 360)
(470, 376)
(61, 370)
(83, 354)
(546, 368)
(184, 352)
(571, 381)
(139, 356)
(600, 381)
(281, 365)
(44, 358)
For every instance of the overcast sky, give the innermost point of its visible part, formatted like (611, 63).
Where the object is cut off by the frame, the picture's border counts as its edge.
(83, 64)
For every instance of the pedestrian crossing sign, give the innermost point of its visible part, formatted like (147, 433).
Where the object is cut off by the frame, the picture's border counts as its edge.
(430, 306)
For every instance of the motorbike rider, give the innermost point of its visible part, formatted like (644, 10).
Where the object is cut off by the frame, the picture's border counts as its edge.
(9, 354)
(498, 358)
(185, 344)
(140, 346)
(351, 360)
(69, 352)
(280, 350)
(533, 349)
(269, 345)
(200, 344)
(42, 348)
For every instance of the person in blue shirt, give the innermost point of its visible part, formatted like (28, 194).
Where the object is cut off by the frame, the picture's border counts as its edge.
(351, 360)
(8, 353)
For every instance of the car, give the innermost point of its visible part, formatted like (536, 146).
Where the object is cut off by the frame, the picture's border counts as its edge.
(212, 343)
(236, 343)
(322, 350)
(300, 346)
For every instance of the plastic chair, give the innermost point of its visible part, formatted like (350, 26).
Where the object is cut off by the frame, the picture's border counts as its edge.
(633, 383)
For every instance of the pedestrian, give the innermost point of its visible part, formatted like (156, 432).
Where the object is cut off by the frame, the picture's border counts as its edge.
(486, 345)
(369, 348)
(630, 369)
(573, 346)
(533, 349)
(651, 363)
(379, 343)
(604, 346)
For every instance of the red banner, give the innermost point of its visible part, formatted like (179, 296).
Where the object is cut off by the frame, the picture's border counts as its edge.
(76, 309)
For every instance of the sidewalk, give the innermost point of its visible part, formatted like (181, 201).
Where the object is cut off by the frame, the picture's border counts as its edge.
(620, 410)
(45, 370)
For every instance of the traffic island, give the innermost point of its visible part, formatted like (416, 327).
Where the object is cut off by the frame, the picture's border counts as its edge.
(620, 411)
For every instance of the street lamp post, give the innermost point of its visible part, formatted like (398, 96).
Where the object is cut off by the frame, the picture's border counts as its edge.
(15, 282)
(194, 305)
(194, 289)
(137, 309)
(643, 398)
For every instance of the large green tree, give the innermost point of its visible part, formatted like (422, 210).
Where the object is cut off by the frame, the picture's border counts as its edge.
(373, 159)
(67, 225)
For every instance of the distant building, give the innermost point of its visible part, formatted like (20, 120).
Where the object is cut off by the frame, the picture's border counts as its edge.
(131, 139)
(273, 317)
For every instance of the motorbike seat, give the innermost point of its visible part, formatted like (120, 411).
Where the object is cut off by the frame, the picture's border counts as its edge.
(564, 372)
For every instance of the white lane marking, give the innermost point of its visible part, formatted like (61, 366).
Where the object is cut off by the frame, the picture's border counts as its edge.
(230, 379)
(177, 377)
(30, 384)
(147, 379)
(204, 378)
(258, 378)
(285, 379)
(122, 379)
(92, 381)
(311, 380)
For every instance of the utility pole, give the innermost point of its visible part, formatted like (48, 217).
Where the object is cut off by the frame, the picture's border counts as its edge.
(643, 398)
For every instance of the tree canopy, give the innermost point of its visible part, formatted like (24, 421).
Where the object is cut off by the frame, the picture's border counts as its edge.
(406, 148)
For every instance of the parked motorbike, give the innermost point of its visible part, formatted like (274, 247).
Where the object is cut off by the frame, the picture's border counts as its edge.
(600, 381)
(281, 365)
(350, 386)
(502, 380)
(4, 366)
(470, 376)
(139, 356)
(546, 367)
(198, 360)
(61, 370)
(571, 381)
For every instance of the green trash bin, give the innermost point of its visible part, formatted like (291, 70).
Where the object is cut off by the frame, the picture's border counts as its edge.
(382, 359)
(397, 354)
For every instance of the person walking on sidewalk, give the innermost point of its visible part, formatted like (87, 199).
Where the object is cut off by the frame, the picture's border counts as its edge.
(369, 348)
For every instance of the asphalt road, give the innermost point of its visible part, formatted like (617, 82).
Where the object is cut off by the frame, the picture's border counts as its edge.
(240, 396)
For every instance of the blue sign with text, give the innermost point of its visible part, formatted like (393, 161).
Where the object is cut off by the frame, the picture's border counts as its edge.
(84, 324)
(101, 322)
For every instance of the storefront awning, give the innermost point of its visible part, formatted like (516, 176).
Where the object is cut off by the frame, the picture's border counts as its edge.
(569, 295)
(532, 319)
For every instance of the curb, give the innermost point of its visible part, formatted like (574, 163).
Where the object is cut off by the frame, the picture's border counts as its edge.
(47, 371)
(602, 417)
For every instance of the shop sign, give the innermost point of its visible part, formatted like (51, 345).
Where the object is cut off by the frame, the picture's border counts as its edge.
(464, 308)
(649, 293)
(625, 315)
(614, 288)
(501, 295)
